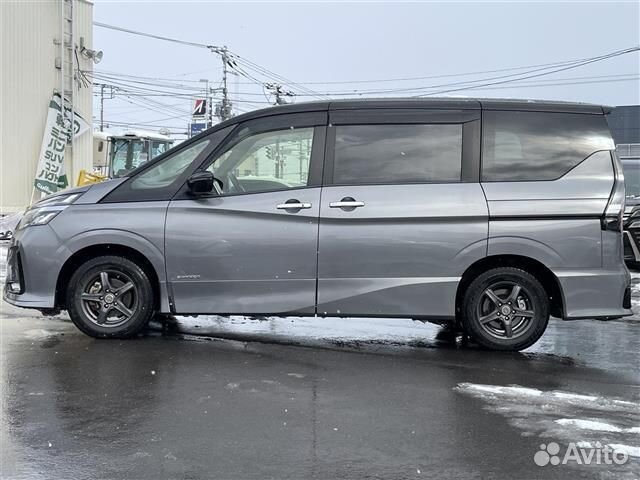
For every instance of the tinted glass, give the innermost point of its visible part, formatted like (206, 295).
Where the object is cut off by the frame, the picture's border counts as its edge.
(397, 154)
(532, 146)
(267, 161)
(164, 173)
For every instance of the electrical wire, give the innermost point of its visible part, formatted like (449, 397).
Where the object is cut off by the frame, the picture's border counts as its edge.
(562, 69)
(150, 35)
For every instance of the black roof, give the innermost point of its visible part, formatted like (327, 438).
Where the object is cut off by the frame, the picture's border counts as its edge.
(450, 103)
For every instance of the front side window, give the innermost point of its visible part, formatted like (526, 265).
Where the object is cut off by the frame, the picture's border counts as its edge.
(398, 154)
(268, 161)
(534, 146)
(167, 171)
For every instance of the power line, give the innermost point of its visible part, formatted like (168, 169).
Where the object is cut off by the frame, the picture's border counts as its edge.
(279, 78)
(556, 84)
(603, 79)
(471, 83)
(562, 69)
(151, 35)
(446, 75)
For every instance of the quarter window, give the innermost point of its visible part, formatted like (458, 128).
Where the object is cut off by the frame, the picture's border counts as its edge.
(533, 146)
(398, 154)
(268, 161)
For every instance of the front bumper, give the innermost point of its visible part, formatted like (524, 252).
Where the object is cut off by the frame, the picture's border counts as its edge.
(34, 261)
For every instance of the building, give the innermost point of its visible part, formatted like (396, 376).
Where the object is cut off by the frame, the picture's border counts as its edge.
(35, 64)
(624, 123)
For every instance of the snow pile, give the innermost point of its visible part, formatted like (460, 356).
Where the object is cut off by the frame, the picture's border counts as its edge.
(563, 416)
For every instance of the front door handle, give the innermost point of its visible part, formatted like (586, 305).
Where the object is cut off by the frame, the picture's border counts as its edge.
(293, 205)
(346, 202)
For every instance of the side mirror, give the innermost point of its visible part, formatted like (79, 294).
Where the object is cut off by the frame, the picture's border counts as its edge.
(201, 182)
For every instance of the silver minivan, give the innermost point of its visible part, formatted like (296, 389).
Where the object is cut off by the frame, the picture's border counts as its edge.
(490, 215)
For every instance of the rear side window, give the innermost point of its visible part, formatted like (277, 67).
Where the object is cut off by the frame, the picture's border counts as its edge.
(397, 154)
(534, 146)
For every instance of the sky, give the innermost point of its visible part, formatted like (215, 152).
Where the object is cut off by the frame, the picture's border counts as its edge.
(312, 42)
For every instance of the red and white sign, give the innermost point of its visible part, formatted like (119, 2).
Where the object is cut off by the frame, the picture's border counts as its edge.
(199, 108)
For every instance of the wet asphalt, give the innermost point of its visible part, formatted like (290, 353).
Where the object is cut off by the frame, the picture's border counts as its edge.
(214, 397)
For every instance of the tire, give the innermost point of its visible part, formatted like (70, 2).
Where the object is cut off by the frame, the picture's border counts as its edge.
(116, 306)
(491, 306)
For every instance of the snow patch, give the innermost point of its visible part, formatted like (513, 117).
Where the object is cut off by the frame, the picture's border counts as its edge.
(587, 420)
(38, 334)
(589, 424)
(628, 449)
(575, 396)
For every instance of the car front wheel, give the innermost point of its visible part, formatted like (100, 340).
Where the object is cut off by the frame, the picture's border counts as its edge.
(505, 309)
(110, 297)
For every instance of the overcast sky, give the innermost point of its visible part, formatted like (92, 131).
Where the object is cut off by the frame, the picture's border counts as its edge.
(332, 42)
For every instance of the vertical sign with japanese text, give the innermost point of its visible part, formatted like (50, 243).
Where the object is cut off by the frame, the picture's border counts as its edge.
(50, 175)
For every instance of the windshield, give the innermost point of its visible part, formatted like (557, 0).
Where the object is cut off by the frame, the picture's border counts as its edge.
(119, 155)
(631, 170)
(128, 154)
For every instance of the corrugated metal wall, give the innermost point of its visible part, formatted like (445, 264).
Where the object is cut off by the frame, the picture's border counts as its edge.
(28, 78)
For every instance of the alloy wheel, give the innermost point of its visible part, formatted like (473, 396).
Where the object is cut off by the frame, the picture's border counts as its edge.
(109, 298)
(505, 310)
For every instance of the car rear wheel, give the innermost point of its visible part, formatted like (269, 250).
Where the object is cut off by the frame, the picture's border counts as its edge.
(505, 309)
(110, 297)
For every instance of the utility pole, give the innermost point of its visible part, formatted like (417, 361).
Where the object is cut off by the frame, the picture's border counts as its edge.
(208, 95)
(278, 91)
(226, 104)
(209, 106)
(223, 109)
(102, 87)
(101, 107)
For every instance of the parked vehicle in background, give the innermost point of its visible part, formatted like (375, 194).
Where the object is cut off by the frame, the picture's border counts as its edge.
(631, 238)
(116, 155)
(490, 215)
(630, 158)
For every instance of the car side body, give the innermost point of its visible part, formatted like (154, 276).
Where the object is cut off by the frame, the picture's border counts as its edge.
(353, 230)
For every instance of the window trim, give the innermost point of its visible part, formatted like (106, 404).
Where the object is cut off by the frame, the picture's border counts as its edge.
(315, 120)
(470, 148)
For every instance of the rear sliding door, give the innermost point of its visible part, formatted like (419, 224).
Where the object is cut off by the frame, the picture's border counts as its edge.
(402, 213)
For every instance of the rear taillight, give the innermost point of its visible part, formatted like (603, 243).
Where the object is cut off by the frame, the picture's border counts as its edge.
(613, 214)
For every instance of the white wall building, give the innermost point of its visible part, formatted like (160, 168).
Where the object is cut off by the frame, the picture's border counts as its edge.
(31, 58)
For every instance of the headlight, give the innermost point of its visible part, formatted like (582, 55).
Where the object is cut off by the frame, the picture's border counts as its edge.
(63, 199)
(37, 216)
(46, 210)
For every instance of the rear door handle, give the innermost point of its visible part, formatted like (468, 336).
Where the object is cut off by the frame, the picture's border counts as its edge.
(293, 205)
(346, 202)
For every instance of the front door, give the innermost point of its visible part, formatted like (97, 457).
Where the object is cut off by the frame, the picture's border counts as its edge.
(252, 248)
(402, 213)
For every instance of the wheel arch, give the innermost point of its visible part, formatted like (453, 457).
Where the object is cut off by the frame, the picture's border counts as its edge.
(97, 250)
(542, 273)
